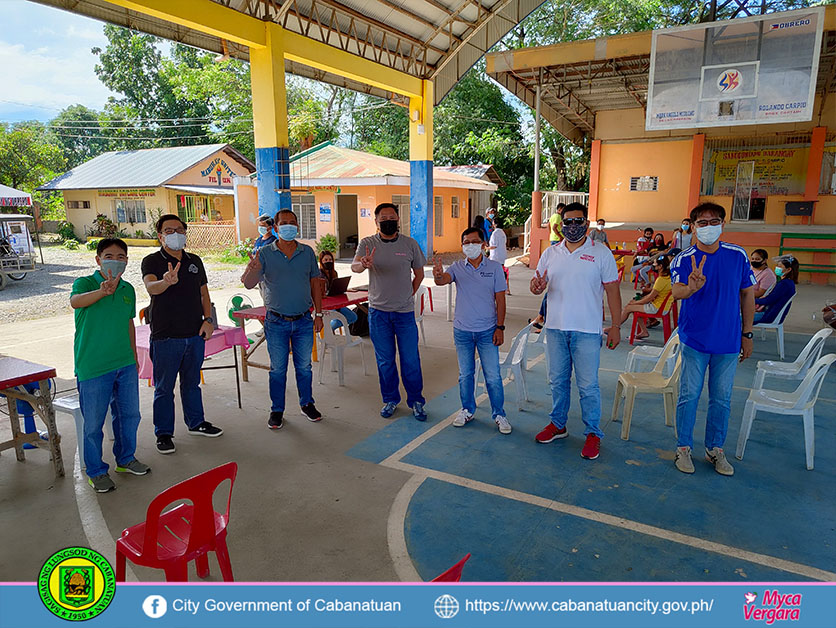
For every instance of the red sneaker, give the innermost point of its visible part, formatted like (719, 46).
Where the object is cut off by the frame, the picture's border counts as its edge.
(591, 448)
(550, 433)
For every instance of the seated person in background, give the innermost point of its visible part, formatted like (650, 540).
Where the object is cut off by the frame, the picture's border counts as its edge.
(764, 276)
(598, 234)
(329, 274)
(784, 290)
(643, 245)
(650, 303)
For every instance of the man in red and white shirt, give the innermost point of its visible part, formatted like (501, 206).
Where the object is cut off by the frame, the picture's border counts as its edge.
(576, 273)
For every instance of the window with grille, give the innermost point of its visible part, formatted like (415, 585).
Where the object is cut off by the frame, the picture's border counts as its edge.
(438, 217)
(304, 207)
(402, 202)
(129, 210)
(644, 184)
(454, 207)
(191, 208)
(78, 204)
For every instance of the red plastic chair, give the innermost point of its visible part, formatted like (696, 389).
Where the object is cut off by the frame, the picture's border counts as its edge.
(454, 574)
(665, 317)
(170, 540)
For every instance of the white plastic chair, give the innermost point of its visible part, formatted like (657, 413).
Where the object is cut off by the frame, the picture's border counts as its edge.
(778, 326)
(801, 401)
(630, 384)
(422, 292)
(70, 405)
(513, 362)
(797, 369)
(537, 342)
(645, 353)
(337, 345)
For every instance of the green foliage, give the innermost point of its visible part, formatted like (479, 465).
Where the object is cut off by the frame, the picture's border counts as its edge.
(28, 155)
(327, 242)
(237, 253)
(71, 245)
(104, 227)
(92, 243)
(139, 234)
(78, 130)
(66, 231)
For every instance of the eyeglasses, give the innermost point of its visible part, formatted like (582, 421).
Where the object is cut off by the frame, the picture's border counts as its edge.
(713, 222)
(574, 221)
(170, 231)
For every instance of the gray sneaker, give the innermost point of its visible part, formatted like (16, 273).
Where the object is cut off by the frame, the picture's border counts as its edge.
(502, 424)
(462, 418)
(101, 483)
(683, 460)
(717, 457)
(134, 466)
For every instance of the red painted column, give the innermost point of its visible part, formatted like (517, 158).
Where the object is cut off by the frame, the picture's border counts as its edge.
(538, 233)
(594, 177)
(695, 180)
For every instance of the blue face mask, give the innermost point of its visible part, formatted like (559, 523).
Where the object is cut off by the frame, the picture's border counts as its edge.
(262, 231)
(288, 232)
(779, 271)
(115, 267)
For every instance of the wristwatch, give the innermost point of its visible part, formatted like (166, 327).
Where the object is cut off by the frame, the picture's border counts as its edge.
(319, 314)
(501, 327)
(747, 334)
(208, 319)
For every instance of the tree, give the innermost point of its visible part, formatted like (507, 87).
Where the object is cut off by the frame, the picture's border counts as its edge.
(28, 154)
(77, 130)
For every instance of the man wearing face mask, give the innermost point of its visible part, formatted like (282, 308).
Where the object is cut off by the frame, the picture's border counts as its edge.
(396, 268)
(180, 315)
(265, 232)
(598, 234)
(577, 273)
(716, 285)
(288, 271)
(479, 325)
(105, 363)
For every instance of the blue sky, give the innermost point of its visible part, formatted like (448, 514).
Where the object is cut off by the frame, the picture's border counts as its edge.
(46, 61)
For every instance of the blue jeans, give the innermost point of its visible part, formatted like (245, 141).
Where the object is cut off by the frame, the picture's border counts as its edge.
(282, 337)
(721, 368)
(467, 343)
(568, 349)
(121, 387)
(758, 317)
(350, 318)
(385, 328)
(172, 357)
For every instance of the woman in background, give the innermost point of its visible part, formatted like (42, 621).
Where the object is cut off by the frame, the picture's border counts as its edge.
(784, 290)
(329, 274)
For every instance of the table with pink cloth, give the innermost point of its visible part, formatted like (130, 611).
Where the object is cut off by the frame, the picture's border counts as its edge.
(224, 338)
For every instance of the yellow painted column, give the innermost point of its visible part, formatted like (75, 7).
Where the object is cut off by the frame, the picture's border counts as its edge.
(270, 122)
(421, 167)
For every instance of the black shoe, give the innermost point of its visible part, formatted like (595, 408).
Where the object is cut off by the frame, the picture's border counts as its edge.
(207, 429)
(312, 413)
(276, 420)
(165, 445)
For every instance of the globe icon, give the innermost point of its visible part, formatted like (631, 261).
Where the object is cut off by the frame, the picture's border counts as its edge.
(446, 606)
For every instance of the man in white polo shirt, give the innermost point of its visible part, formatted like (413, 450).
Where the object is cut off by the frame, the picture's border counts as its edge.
(577, 272)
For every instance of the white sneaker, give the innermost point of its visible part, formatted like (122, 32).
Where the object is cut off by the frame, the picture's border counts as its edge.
(717, 457)
(502, 424)
(462, 418)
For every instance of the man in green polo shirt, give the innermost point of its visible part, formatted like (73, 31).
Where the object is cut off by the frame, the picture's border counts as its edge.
(105, 363)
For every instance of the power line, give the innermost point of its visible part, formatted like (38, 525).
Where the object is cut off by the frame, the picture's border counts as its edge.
(173, 137)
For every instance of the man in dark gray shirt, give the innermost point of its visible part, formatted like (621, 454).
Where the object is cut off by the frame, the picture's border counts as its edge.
(396, 268)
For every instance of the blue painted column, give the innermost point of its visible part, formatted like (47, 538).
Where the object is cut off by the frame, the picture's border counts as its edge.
(421, 204)
(273, 172)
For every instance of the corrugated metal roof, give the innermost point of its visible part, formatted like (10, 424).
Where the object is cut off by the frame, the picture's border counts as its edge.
(145, 168)
(477, 171)
(336, 162)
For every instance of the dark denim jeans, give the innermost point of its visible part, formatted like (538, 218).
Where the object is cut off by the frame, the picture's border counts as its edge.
(95, 395)
(172, 357)
(385, 329)
(282, 336)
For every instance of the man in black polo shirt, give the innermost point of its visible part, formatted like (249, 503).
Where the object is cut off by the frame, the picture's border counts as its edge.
(181, 322)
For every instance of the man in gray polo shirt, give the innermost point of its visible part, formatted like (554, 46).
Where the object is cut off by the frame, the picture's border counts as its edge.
(479, 325)
(396, 268)
(289, 274)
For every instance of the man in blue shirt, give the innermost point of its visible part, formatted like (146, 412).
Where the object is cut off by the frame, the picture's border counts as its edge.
(479, 324)
(266, 235)
(715, 283)
(289, 274)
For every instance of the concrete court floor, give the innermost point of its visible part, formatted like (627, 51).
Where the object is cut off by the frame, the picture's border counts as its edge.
(302, 510)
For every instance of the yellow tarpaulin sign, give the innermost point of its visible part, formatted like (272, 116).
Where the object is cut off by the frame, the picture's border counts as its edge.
(777, 170)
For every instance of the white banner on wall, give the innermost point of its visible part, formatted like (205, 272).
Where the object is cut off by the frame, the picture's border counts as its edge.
(756, 70)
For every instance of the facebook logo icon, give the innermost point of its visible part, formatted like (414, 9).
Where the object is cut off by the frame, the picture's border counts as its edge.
(155, 606)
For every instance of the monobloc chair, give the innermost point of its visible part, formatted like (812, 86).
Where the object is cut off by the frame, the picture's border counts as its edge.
(454, 574)
(419, 309)
(630, 384)
(645, 353)
(337, 344)
(797, 369)
(778, 326)
(537, 342)
(514, 362)
(664, 314)
(801, 401)
(170, 540)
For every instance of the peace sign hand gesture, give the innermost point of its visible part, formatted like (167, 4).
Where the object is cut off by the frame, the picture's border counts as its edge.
(368, 259)
(109, 285)
(696, 279)
(438, 269)
(538, 282)
(170, 277)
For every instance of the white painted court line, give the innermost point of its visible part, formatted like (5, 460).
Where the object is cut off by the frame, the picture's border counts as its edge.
(395, 531)
(92, 520)
(619, 522)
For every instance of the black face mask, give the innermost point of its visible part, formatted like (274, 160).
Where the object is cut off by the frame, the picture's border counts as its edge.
(388, 227)
(328, 265)
(757, 264)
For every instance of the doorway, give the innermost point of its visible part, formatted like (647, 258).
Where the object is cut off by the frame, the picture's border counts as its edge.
(347, 225)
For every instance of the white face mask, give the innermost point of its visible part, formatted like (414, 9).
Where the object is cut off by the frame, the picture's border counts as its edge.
(710, 234)
(599, 227)
(176, 241)
(472, 251)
